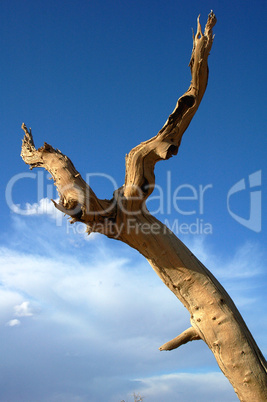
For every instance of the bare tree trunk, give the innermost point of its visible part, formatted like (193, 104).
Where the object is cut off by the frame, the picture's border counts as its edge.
(214, 317)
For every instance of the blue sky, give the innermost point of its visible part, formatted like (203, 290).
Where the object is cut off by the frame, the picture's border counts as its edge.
(81, 318)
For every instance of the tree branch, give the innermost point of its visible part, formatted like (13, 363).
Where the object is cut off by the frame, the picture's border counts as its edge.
(188, 335)
(140, 162)
(77, 199)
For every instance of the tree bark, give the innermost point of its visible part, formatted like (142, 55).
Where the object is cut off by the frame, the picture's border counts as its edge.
(214, 316)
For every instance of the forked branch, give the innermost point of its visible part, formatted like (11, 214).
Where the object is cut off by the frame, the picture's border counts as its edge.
(77, 199)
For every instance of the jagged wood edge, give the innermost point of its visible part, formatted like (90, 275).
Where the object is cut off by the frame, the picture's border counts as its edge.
(77, 199)
(140, 163)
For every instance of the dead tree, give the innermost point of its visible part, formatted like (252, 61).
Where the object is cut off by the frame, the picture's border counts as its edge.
(214, 316)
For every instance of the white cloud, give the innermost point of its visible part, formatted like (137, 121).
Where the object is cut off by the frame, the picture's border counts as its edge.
(13, 323)
(186, 387)
(23, 309)
(8, 298)
(43, 207)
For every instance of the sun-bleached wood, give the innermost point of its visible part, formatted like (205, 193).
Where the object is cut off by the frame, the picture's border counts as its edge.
(214, 316)
(188, 335)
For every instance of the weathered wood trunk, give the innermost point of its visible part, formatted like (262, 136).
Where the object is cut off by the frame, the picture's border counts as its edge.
(214, 317)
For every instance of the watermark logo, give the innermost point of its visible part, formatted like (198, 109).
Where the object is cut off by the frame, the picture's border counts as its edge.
(184, 207)
(254, 220)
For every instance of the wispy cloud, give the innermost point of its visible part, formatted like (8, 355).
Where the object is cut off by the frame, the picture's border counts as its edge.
(23, 309)
(13, 323)
(246, 262)
(171, 387)
(97, 313)
(108, 287)
(43, 207)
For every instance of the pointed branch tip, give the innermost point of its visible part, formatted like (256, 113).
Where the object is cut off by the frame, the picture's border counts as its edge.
(188, 335)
